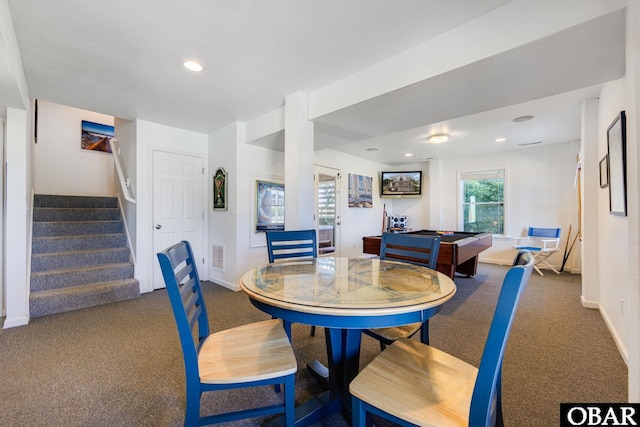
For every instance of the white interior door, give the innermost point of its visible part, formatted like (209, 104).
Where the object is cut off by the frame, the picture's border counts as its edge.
(178, 205)
(327, 215)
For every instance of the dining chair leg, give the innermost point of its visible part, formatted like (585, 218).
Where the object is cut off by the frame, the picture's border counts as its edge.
(192, 410)
(424, 332)
(313, 331)
(289, 400)
(358, 415)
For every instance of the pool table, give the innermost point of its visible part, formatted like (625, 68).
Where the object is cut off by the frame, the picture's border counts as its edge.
(458, 251)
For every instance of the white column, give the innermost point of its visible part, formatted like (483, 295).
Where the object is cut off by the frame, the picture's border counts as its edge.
(590, 176)
(16, 219)
(298, 164)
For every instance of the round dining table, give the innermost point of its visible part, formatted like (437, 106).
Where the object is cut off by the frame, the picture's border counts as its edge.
(345, 295)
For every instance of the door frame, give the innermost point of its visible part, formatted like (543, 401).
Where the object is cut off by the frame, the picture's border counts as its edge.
(151, 217)
(327, 170)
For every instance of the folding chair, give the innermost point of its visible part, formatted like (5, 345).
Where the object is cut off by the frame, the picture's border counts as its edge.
(542, 243)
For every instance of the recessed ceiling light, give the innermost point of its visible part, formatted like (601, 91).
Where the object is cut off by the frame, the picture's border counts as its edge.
(501, 139)
(193, 66)
(372, 149)
(408, 154)
(438, 138)
(522, 119)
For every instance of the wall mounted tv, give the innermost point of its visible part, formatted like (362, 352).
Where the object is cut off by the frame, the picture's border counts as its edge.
(401, 184)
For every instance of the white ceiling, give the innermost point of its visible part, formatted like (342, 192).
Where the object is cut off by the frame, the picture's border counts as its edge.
(124, 58)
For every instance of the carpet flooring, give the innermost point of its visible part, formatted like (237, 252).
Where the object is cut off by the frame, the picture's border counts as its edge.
(121, 364)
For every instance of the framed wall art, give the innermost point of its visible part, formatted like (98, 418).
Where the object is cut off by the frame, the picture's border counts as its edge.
(360, 191)
(604, 172)
(617, 155)
(220, 190)
(269, 206)
(96, 136)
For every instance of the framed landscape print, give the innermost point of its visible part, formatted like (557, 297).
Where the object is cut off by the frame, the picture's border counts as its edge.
(96, 136)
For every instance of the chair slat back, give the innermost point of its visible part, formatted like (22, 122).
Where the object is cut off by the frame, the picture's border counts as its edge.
(185, 293)
(553, 233)
(488, 380)
(421, 250)
(291, 244)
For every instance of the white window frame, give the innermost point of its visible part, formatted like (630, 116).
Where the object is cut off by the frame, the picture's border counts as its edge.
(461, 174)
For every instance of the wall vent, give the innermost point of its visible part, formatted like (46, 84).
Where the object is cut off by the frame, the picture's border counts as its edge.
(218, 257)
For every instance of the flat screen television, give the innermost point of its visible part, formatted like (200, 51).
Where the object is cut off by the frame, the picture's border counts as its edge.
(401, 184)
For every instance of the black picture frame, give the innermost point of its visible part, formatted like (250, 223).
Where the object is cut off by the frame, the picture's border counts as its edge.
(604, 171)
(220, 190)
(617, 161)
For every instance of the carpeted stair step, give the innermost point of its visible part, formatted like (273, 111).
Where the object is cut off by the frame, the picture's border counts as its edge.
(69, 277)
(76, 228)
(79, 254)
(77, 243)
(55, 201)
(64, 260)
(72, 298)
(75, 214)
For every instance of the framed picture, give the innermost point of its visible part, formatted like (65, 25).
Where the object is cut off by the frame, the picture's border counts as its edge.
(96, 137)
(604, 172)
(269, 206)
(617, 156)
(360, 191)
(220, 190)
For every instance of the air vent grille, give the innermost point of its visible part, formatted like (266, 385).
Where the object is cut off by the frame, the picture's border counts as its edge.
(218, 257)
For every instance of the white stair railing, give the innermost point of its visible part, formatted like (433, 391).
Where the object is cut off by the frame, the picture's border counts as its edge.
(124, 182)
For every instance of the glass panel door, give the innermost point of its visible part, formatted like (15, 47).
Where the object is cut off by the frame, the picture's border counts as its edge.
(327, 216)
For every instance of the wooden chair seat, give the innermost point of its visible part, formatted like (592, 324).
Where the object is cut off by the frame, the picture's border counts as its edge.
(246, 353)
(418, 383)
(389, 335)
(412, 383)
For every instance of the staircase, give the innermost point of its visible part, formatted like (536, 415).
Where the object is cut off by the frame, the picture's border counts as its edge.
(79, 255)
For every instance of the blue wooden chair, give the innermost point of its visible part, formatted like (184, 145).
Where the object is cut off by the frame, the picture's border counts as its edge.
(292, 244)
(245, 356)
(420, 250)
(412, 383)
(542, 243)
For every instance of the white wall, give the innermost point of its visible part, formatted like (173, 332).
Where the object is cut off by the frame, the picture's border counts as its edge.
(539, 190)
(357, 222)
(61, 166)
(18, 215)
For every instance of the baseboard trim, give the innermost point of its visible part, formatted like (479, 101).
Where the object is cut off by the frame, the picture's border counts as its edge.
(17, 321)
(616, 338)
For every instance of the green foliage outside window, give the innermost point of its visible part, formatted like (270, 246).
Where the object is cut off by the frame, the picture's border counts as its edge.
(483, 204)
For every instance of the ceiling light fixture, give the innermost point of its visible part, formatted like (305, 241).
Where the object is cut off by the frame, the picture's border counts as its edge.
(522, 119)
(193, 66)
(501, 139)
(438, 138)
(408, 154)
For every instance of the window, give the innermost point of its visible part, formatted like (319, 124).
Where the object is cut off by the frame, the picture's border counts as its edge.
(483, 201)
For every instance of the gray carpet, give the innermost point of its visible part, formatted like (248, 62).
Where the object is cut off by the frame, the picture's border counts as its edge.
(121, 364)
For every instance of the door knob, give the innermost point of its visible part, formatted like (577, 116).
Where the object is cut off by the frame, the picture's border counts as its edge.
(158, 226)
